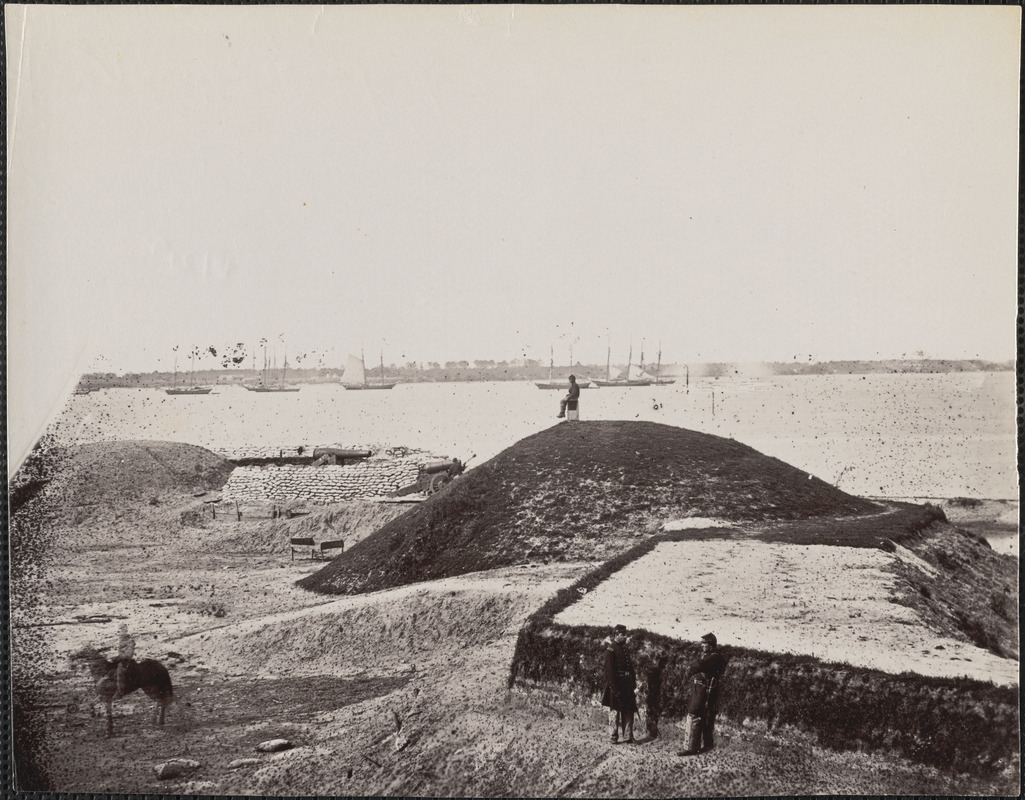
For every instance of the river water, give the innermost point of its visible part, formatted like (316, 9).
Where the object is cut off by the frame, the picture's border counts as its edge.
(901, 435)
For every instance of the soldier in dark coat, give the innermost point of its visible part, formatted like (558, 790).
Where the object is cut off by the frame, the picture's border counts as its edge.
(620, 685)
(653, 695)
(704, 678)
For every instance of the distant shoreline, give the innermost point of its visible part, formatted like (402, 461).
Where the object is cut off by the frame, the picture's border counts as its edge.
(533, 370)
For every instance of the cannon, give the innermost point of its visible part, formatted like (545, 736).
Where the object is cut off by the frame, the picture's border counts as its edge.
(433, 476)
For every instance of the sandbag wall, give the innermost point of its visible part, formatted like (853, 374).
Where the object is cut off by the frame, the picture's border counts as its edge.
(324, 484)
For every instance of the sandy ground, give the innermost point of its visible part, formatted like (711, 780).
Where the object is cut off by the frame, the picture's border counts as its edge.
(404, 692)
(834, 603)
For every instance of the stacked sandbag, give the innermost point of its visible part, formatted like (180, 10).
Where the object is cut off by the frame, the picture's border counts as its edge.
(263, 452)
(324, 484)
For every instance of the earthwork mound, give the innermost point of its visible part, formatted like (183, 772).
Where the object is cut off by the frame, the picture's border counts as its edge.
(112, 472)
(579, 492)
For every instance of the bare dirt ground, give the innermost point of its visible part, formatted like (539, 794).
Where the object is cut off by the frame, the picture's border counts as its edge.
(400, 692)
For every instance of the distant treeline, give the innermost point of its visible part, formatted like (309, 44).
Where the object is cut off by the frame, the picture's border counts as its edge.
(534, 370)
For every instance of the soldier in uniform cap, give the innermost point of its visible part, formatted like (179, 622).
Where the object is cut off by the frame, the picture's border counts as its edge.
(620, 685)
(704, 677)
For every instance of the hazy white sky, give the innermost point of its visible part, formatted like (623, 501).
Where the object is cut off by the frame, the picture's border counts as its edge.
(450, 182)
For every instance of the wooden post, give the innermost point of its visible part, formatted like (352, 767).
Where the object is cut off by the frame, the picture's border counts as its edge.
(713, 403)
(238, 511)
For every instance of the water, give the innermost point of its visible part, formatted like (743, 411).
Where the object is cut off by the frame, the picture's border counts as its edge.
(1005, 543)
(925, 436)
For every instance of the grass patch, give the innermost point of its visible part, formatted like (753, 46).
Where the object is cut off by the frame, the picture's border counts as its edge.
(902, 525)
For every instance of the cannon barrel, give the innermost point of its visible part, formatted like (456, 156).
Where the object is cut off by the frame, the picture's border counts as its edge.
(339, 452)
(438, 465)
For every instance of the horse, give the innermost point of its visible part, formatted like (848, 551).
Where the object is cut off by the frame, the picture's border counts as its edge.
(149, 675)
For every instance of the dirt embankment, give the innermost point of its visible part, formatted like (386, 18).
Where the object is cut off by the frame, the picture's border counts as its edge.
(351, 521)
(398, 692)
(404, 693)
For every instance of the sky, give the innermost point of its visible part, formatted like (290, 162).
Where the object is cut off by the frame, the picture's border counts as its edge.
(439, 183)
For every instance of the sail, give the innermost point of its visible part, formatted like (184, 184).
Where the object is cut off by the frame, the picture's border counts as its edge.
(354, 371)
(637, 373)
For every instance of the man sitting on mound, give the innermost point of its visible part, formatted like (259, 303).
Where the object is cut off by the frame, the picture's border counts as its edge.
(572, 395)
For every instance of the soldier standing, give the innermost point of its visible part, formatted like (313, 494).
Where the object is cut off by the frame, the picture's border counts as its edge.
(653, 695)
(620, 685)
(703, 677)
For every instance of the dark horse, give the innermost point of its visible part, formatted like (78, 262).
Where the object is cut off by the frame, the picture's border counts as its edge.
(149, 675)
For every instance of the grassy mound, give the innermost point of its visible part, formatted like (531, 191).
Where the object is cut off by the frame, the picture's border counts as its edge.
(576, 493)
(100, 495)
(104, 473)
(101, 485)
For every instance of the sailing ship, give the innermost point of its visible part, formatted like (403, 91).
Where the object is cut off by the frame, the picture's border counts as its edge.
(191, 388)
(659, 380)
(355, 375)
(265, 385)
(632, 376)
(551, 384)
